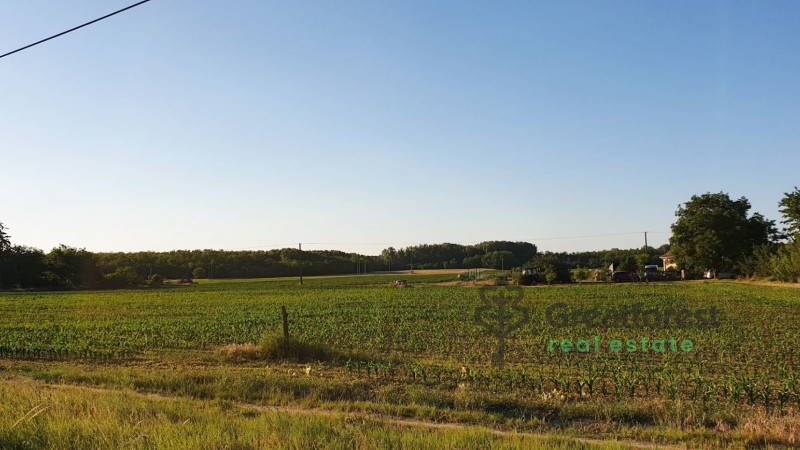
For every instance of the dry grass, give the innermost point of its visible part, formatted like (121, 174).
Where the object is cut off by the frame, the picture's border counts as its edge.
(240, 352)
(274, 347)
(773, 428)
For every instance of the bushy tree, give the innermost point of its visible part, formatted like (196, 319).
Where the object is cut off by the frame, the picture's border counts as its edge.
(715, 232)
(124, 277)
(580, 274)
(550, 269)
(72, 268)
(790, 208)
(5, 245)
(499, 259)
(23, 266)
(155, 280)
(760, 262)
(786, 263)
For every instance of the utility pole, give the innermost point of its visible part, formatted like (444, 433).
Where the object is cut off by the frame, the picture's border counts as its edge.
(300, 249)
(211, 270)
(645, 241)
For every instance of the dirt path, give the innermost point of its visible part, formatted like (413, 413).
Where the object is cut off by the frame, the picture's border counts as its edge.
(394, 420)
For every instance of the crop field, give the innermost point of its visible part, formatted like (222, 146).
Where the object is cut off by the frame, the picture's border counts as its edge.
(418, 353)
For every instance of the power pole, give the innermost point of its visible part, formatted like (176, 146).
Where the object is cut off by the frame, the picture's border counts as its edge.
(300, 249)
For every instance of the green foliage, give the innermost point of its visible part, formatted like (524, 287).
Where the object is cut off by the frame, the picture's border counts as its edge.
(787, 262)
(472, 262)
(760, 263)
(72, 268)
(23, 267)
(550, 275)
(580, 274)
(715, 232)
(499, 259)
(5, 241)
(447, 255)
(5, 245)
(124, 277)
(623, 259)
(641, 261)
(155, 280)
(550, 268)
(199, 272)
(790, 208)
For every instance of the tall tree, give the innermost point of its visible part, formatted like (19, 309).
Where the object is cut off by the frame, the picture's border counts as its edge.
(715, 232)
(790, 208)
(5, 245)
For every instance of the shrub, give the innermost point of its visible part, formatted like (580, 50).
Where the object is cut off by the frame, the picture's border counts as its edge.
(276, 347)
(123, 277)
(550, 275)
(787, 262)
(155, 280)
(580, 274)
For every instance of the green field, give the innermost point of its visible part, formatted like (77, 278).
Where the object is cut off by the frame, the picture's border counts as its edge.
(399, 353)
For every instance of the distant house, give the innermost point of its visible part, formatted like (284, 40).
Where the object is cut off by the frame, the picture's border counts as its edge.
(669, 263)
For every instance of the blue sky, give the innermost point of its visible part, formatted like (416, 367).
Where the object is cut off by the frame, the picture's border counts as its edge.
(360, 124)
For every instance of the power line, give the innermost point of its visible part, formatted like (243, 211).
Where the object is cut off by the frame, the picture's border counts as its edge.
(417, 243)
(595, 235)
(73, 29)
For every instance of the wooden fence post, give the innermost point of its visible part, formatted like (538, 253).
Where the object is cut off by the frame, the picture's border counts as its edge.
(285, 318)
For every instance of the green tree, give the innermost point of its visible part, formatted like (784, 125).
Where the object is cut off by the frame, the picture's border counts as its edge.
(388, 255)
(199, 272)
(155, 280)
(550, 268)
(641, 261)
(124, 277)
(790, 208)
(73, 268)
(715, 232)
(580, 274)
(5, 245)
(502, 259)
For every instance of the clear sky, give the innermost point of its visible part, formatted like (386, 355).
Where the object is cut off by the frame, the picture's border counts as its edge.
(244, 124)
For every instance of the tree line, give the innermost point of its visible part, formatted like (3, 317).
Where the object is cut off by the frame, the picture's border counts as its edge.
(72, 268)
(67, 267)
(712, 232)
(489, 254)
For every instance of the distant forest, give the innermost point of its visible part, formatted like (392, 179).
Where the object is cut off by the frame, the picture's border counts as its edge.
(71, 268)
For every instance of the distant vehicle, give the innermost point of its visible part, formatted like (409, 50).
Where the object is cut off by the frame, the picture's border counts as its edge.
(529, 275)
(622, 276)
(651, 272)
